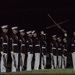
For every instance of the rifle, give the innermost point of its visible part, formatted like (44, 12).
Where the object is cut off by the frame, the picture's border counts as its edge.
(13, 53)
(21, 63)
(43, 53)
(4, 59)
(58, 23)
(64, 31)
(43, 60)
(52, 57)
(63, 59)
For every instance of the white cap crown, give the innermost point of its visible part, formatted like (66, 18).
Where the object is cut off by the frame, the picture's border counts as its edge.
(29, 32)
(22, 30)
(13, 28)
(4, 26)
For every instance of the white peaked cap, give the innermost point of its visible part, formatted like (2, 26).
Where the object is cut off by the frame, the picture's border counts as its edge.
(54, 36)
(16, 27)
(29, 32)
(22, 30)
(33, 31)
(58, 38)
(4, 26)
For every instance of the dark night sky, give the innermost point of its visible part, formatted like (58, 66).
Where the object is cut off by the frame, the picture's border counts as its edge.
(30, 14)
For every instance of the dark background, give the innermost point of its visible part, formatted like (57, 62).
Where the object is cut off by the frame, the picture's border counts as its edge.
(32, 14)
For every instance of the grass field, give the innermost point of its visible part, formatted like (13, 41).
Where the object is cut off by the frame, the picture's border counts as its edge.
(44, 72)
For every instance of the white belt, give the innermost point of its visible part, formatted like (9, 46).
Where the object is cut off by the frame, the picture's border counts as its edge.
(23, 45)
(65, 49)
(72, 44)
(30, 45)
(44, 47)
(53, 48)
(59, 48)
(5, 43)
(37, 45)
(14, 44)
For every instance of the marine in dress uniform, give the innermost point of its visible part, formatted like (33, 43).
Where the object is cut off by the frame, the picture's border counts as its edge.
(53, 52)
(22, 48)
(73, 50)
(37, 50)
(29, 44)
(59, 52)
(0, 61)
(43, 50)
(4, 47)
(65, 53)
(14, 49)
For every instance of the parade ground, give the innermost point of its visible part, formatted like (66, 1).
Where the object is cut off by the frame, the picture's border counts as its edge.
(43, 72)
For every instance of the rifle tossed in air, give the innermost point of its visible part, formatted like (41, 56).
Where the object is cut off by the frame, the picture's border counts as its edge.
(57, 24)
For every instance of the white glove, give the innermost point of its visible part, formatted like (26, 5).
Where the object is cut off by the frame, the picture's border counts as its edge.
(12, 52)
(51, 54)
(62, 55)
(65, 34)
(74, 52)
(2, 53)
